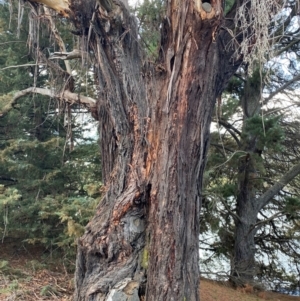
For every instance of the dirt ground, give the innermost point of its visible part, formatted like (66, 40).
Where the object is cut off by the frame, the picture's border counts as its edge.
(213, 291)
(28, 273)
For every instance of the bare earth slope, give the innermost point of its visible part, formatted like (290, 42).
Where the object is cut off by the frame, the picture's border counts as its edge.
(28, 273)
(213, 291)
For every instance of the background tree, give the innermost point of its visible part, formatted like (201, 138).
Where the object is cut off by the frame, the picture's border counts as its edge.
(257, 186)
(154, 120)
(42, 200)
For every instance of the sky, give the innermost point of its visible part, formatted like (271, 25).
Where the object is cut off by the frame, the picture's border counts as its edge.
(133, 2)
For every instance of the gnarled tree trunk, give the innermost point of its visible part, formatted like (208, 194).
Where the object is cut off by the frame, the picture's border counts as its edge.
(154, 121)
(154, 124)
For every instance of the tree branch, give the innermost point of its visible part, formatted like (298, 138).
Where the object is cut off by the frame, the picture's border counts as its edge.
(63, 55)
(230, 128)
(60, 6)
(227, 125)
(24, 65)
(288, 83)
(67, 95)
(265, 221)
(221, 147)
(272, 191)
(4, 178)
(234, 215)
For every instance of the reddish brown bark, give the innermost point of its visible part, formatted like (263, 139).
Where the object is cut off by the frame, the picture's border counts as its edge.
(154, 128)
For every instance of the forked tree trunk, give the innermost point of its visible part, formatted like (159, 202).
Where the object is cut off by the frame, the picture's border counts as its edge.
(154, 124)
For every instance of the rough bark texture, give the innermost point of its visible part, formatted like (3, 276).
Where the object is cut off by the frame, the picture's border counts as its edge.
(154, 121)
(154, 125)
(243, 270)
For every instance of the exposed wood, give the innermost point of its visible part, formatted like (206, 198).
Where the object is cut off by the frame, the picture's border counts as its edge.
(74, 54)
(19, 66)
(66, 95)
(60, 6)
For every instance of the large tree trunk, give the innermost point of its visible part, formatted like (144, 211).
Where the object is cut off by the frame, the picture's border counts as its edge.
(154, 124)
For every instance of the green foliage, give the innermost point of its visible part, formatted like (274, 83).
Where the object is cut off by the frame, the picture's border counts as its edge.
(35, 265)
(48, 190)
(4, 266)
(57, 221)
(250, 150)
(267, 130)
(48, 291)
(11, 273)
(14, 285)
(9, 195)
(254, 82)
(228, 190)
(51, 205)
(6, 103)
(228, 5)
(230, 107)
(150, 14)
(291, 207)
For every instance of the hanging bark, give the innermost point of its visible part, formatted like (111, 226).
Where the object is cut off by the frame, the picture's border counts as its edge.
(154, 124)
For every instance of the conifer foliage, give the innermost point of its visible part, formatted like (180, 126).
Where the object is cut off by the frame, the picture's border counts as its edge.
(252, 180)
(42, 199)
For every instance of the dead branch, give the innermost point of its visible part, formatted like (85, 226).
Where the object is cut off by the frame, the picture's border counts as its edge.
(66, 95)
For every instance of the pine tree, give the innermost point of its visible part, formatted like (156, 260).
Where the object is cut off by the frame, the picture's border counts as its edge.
(252, 178)
(42, 200)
